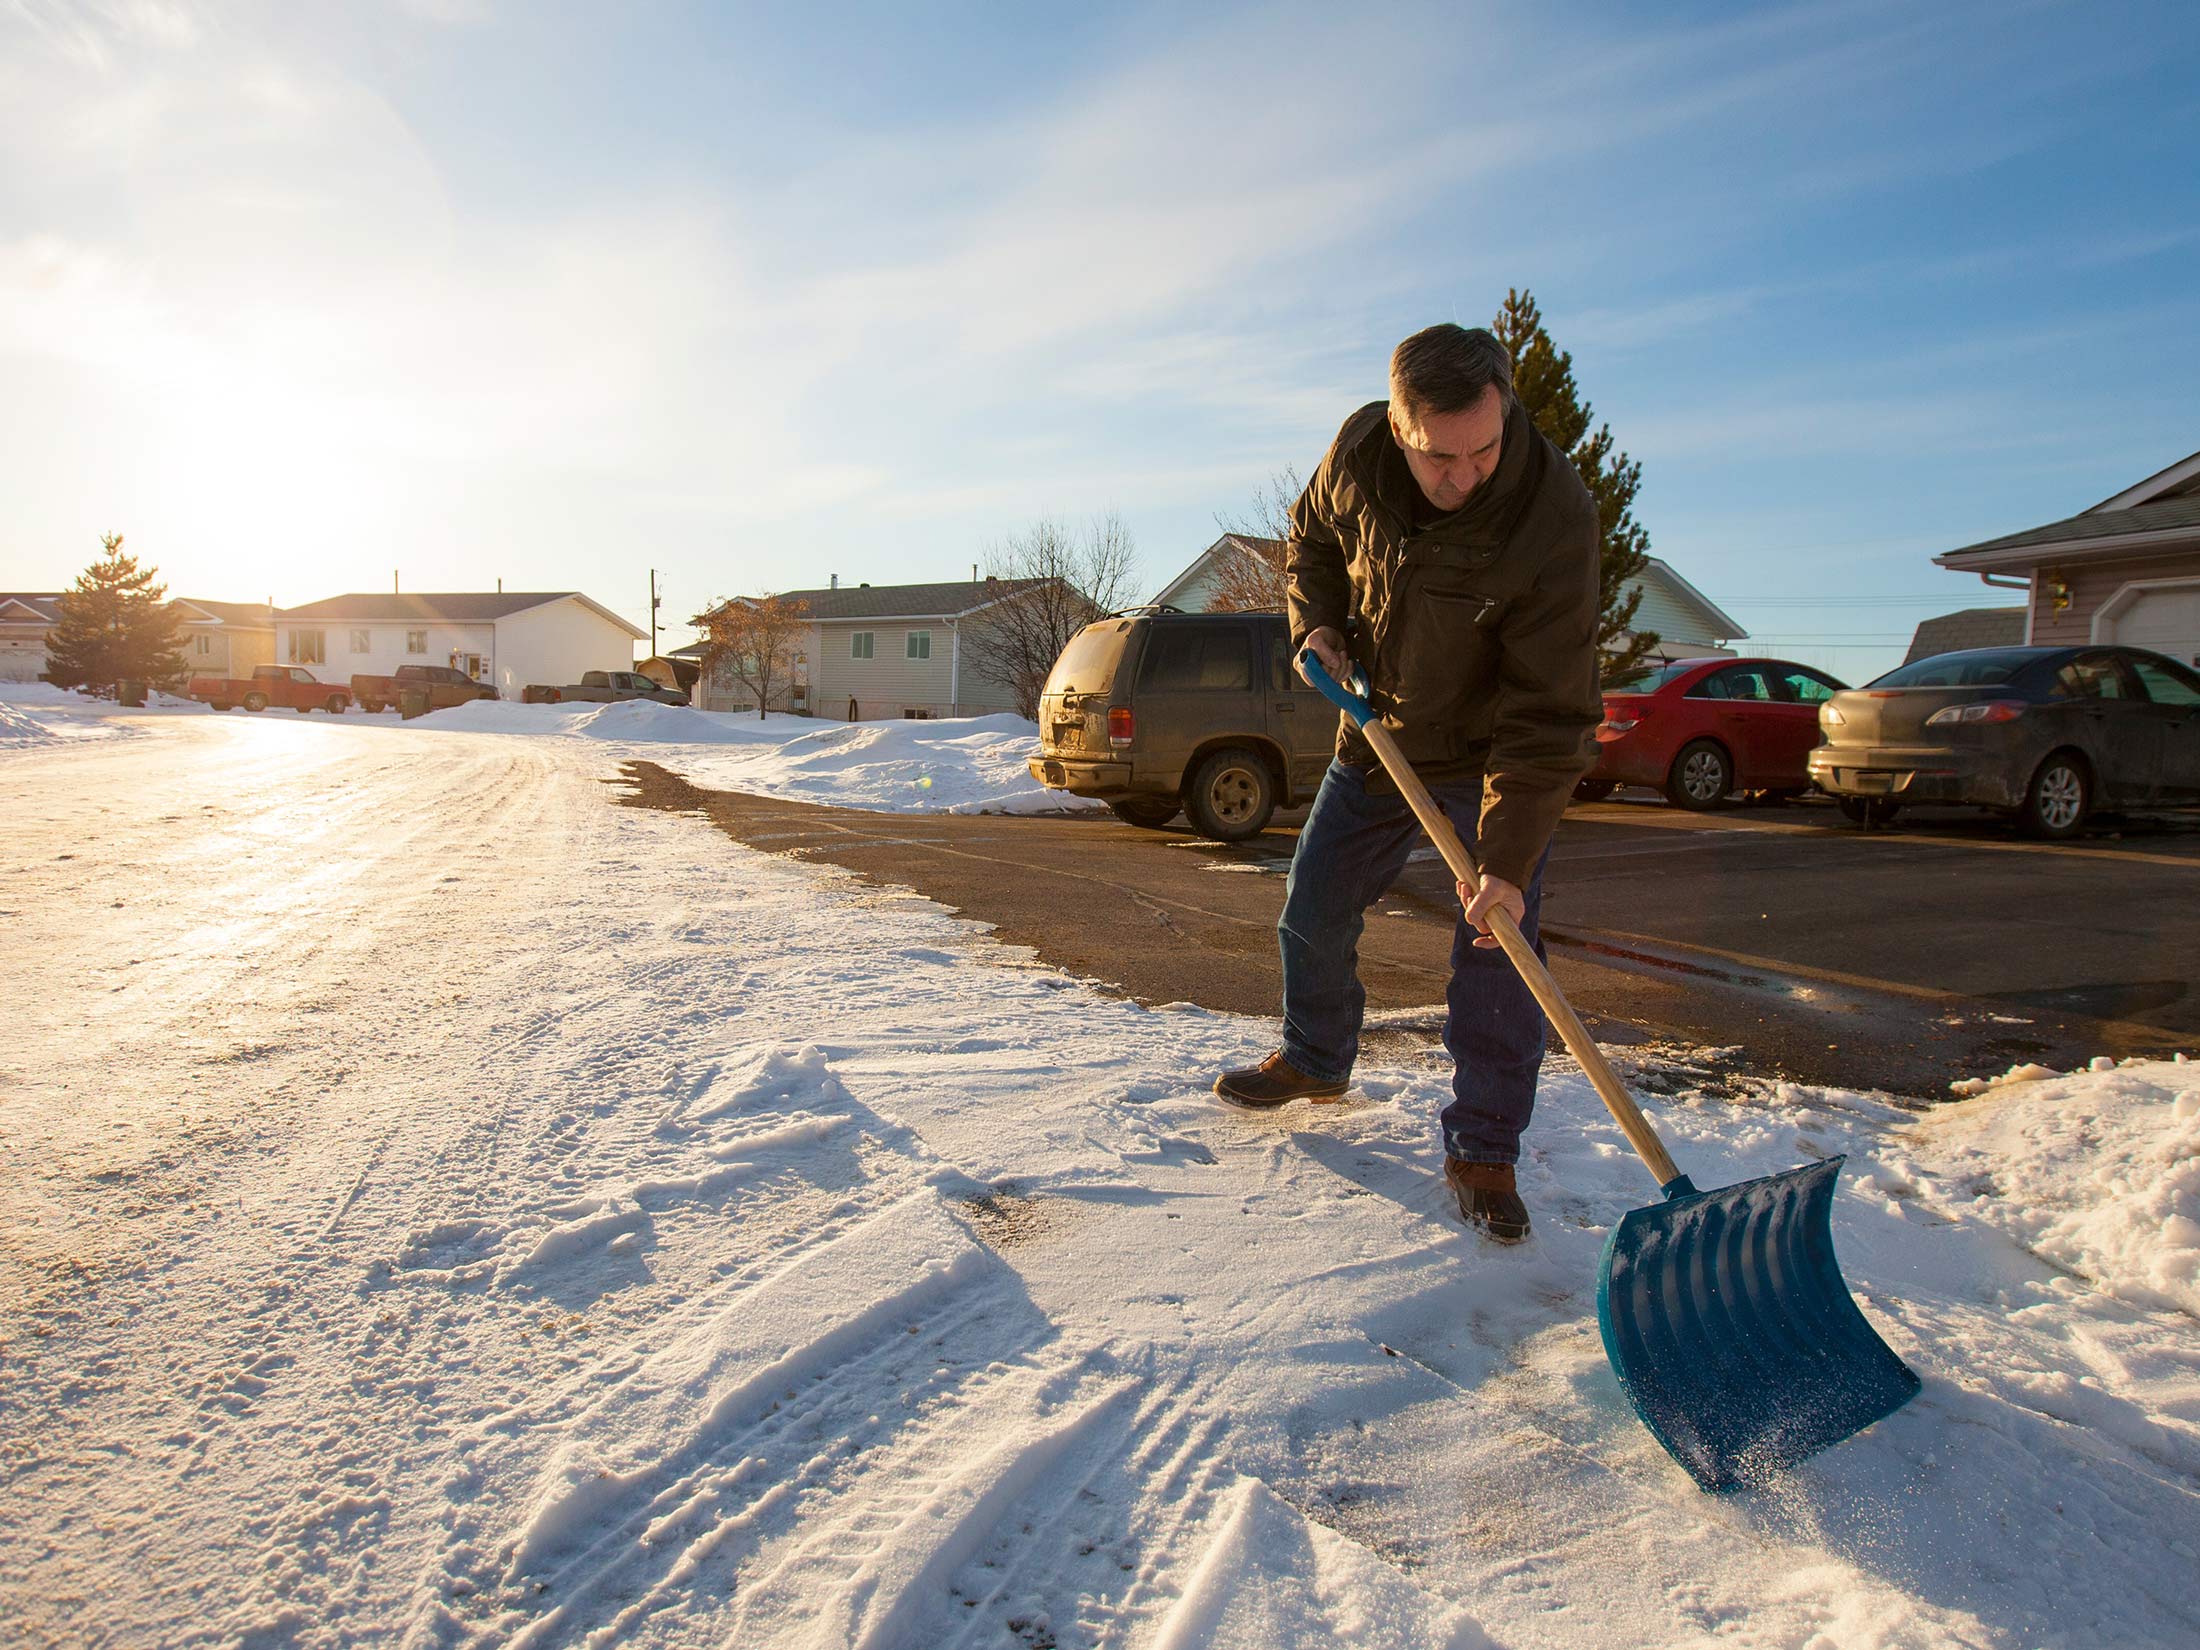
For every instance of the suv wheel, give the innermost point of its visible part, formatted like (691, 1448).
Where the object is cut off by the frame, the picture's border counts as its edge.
(1147, 812)
(2059, 797)
(1231, 795)
(1700, 776)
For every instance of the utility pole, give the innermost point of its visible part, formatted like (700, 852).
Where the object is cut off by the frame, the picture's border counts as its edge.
(655, 601)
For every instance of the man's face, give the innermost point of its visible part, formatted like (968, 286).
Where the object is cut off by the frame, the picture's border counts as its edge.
(1451, 454)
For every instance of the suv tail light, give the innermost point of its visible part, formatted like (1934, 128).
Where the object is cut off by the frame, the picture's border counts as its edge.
(1119, 726)
(1993, 710)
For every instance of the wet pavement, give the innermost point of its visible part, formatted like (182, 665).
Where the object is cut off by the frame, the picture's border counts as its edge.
(1896, 959)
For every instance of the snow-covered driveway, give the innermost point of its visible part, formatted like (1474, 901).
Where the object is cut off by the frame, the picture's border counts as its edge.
(444, 1206)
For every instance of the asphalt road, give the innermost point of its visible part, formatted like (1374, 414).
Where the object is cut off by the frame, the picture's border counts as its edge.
(1893, 959)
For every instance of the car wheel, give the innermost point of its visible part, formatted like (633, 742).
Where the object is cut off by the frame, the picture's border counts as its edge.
(220, 704)
(1231, 795)
(373, 707)
(1594, 790)
(2058, 799)
(255, 701)
(1147, 812)
(1701, 775)
(336, 704)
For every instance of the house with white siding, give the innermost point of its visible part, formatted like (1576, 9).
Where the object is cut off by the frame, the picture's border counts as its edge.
(886, 650)
(509, 639)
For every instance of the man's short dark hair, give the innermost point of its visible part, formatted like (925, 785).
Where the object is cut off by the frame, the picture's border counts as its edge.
(1446, 369)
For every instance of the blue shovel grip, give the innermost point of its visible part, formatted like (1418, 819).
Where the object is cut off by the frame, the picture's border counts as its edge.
(1351, 698)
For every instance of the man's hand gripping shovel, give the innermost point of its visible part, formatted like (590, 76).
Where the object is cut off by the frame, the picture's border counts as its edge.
(1724, 1312)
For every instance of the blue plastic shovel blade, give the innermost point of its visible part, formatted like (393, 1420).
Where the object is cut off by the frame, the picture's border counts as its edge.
(1733, 1335)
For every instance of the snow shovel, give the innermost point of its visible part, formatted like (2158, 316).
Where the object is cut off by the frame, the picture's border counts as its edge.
(1723, 1312)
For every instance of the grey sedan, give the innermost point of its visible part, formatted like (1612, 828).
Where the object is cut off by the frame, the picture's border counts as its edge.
(2045, 734)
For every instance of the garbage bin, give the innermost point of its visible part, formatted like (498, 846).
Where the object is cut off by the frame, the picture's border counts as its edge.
(131, 694)
(412, 702)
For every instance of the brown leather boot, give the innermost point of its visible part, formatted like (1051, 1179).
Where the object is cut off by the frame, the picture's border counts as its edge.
(1274, 1082)
(1488, 1201)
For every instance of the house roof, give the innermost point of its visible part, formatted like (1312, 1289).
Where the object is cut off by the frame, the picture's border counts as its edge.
(950, 600)
(1973, 627)
(2167, 524)
(24, 606)
(240, 615)
(2179, 480)
(442, 607)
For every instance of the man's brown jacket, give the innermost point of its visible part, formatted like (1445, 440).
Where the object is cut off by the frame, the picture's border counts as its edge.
(1477, 629)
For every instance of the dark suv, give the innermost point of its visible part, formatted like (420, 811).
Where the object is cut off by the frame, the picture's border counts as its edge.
(1152, 710)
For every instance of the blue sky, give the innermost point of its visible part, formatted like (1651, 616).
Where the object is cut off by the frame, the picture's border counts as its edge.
(294, 294)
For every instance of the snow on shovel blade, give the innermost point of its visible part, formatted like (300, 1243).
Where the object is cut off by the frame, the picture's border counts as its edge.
(1732, 1333)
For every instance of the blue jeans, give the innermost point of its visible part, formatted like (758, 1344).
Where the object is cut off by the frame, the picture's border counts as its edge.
(1350, 851)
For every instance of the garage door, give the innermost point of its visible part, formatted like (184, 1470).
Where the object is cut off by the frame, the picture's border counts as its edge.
(2168, 621)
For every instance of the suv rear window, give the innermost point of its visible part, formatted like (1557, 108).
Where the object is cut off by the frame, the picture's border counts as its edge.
(1212, 656)
(1985, 668)
(1088, 663)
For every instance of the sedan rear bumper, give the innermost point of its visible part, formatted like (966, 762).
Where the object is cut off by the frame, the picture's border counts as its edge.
(1912, 773)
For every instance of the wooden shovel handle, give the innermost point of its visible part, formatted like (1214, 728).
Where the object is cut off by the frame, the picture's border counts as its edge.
(1576, 1035)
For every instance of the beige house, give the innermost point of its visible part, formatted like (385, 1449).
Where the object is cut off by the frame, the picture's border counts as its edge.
(219, 638)
(2126, 570)
(885, 651)
(225, 638)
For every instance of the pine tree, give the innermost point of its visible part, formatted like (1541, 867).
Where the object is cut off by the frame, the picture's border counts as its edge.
(115, 626)
(1543, 378)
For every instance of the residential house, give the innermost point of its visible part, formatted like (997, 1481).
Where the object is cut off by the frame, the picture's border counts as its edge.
(887, 650)
(1689, 625)
(225, 638)
(25, 617)
(508, 639)
(1973, 627)
(219, 638)
(2126, 570)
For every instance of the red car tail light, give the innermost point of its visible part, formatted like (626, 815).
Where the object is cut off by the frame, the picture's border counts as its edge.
(1615, 727)
(1119, 726)
(1993, 710)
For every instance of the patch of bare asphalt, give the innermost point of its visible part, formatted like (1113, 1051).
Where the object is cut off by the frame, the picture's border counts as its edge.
(1130, 910)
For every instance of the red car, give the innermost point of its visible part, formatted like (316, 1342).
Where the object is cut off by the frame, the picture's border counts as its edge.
(1700, 728)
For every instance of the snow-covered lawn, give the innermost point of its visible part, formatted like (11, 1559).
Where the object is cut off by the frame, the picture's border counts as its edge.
(445, 1207)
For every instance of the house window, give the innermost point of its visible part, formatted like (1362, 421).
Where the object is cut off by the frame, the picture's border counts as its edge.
(362, 641)
(859, 645)
(202, 644)
(920, 644)
(416, 641)
(309, 647)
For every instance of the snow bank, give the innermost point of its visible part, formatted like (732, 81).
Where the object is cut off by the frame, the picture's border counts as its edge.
(972, 764)
(2098, 1171)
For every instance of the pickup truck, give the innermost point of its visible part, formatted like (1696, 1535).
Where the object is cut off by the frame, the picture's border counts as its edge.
(271, 685)
(442, 685)
(605, 687)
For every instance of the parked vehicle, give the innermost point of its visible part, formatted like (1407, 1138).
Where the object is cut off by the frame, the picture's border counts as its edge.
(438, 686)
(1152, 710)
(1700, 729)
(604, 687)
(2044, 734)
(285, 685)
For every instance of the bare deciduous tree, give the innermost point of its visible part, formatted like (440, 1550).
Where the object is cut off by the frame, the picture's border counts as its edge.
(1055, 582)
(1250, 571)
(754, 640)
